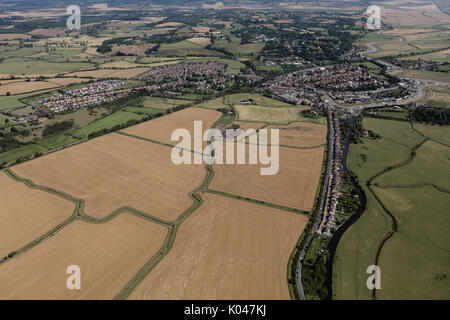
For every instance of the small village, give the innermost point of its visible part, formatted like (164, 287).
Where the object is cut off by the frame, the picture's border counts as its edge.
(332, 197)
(92, 94)
(338, 77)
(182, 70)
(418, 64)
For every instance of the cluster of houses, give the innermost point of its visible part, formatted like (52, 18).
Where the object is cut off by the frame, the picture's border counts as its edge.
(92, 94)
(263, 37)
(182, 71)
(339, 77)
(331, 201)
(291, 60)
(344, 83)
(416, 64)
(295, 96)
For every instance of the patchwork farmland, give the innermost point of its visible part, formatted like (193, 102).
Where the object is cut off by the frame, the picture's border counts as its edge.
(122, 190)
(27, 213)
(110, 253)
(116, 171)
(224, 251)
(359, 175)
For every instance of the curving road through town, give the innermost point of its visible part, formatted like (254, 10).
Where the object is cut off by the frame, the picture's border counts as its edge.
(322, 203)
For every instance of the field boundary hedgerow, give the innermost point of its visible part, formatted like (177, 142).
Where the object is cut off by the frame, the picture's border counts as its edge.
(77, 214)
(170, 239)
(294, 259)
(260, 202)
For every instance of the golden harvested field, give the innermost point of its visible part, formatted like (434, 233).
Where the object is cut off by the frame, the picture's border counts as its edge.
(203, 42)
(294, 185)
(160, 129)
(31, 76)
(168, 24)
(100, 73)
(128, 73)
(27, 213)
(227, 249)
(4, 82)
(110, 73)
(108, 255)
(301, 134)
(216, 6)
(284, 21)
(201, 29)
(92, 51)
(279, 115)
(14, 36)
(24, 87)
(44, 13)
(249, 125)
(120, 64)
(51, 32)
(67, 81)
(114, 171)
(413, 14)
(138, 50)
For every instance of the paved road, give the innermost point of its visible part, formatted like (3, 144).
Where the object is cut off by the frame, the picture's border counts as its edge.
(371, 48)
(319, 216)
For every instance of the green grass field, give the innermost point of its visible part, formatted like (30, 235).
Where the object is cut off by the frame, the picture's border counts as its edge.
(427, 75)
(395, 130)
(117, 118)
(415, 260)
(373, 69)
(278, 115)
(438, 56)
(398, 115)
(232, 99)
(184, 48)
(356, 251)
(371, 156)
(430, 166)
(24, 151)
(236, 47)
(13, 102)
(162, 103)
(420, 212)
(376, 37)
(438, 133)
(20, 66)
(269, 68)
(141, 110)
(56, 141)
